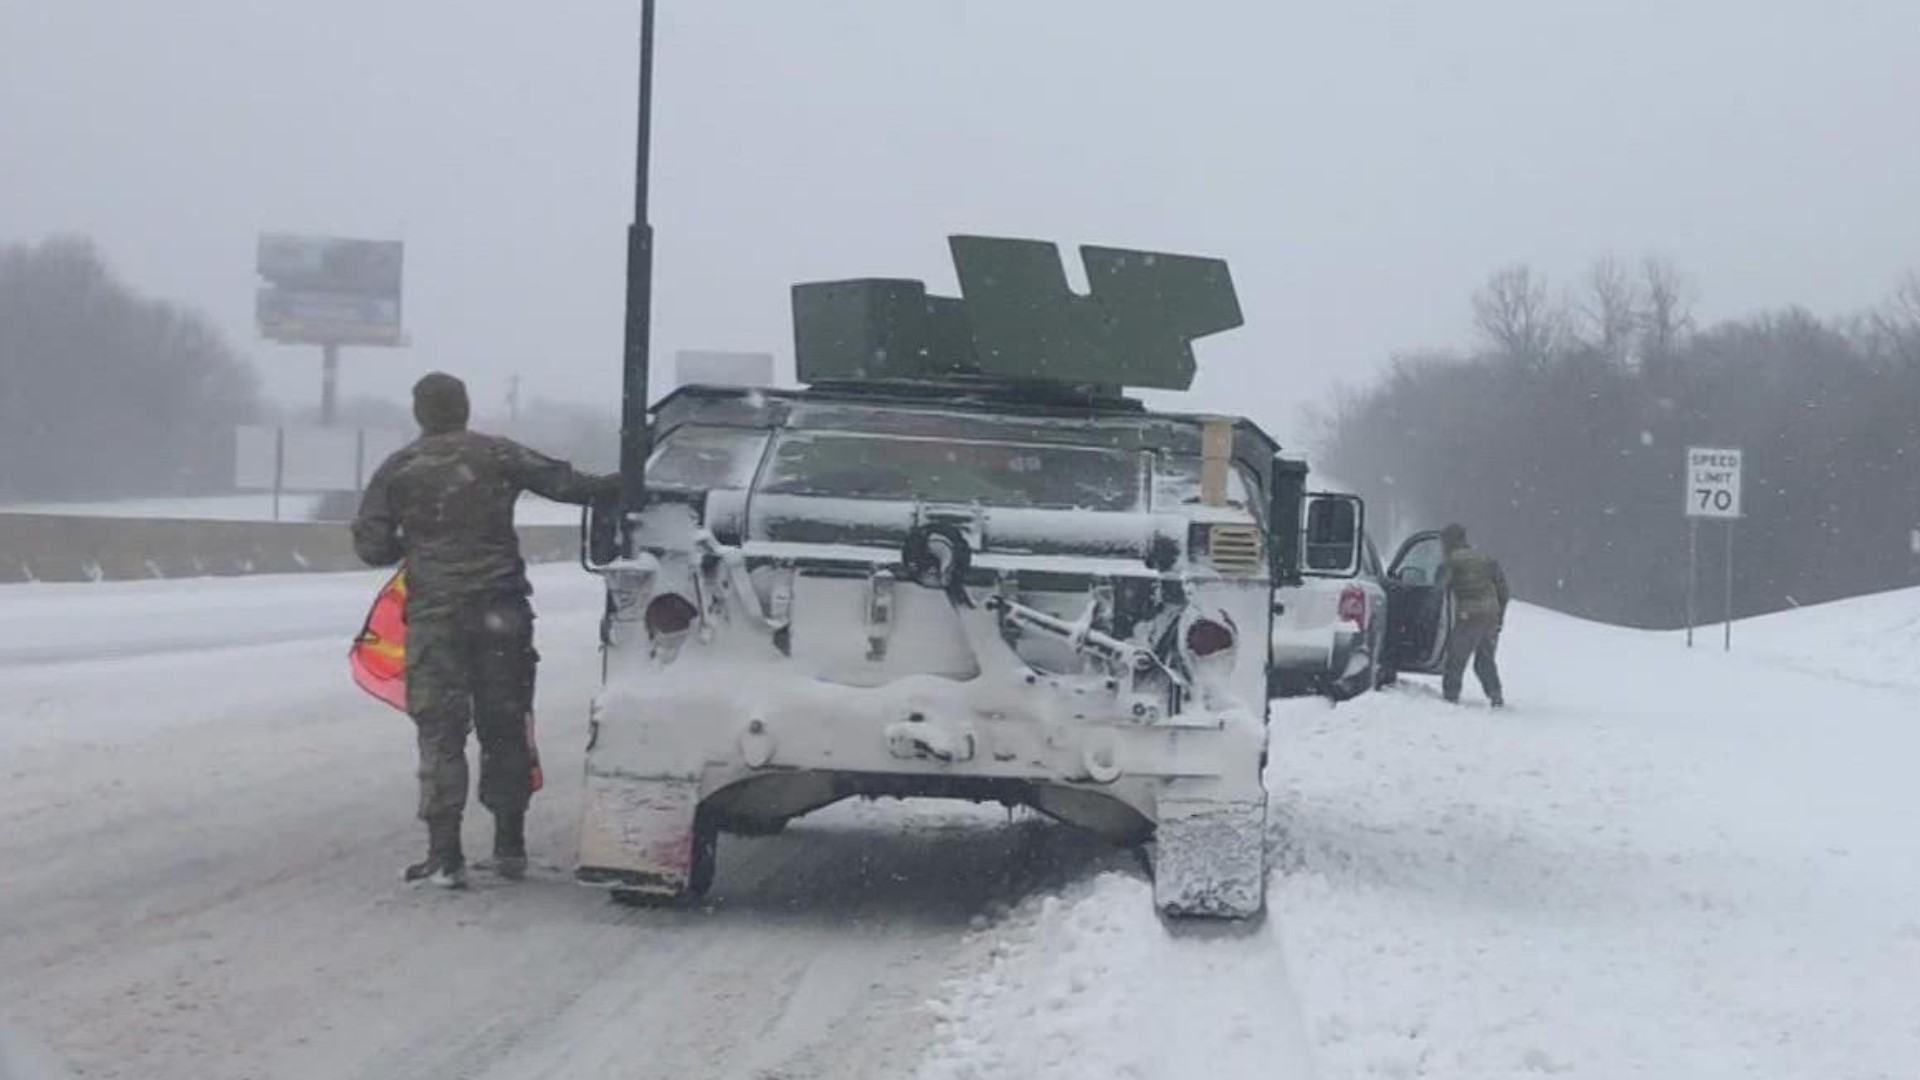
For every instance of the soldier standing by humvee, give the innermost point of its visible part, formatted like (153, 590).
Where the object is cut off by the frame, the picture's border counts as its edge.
(444, 505)
(1479, 590)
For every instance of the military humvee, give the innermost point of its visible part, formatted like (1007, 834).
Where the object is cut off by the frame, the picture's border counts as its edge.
(961, 563)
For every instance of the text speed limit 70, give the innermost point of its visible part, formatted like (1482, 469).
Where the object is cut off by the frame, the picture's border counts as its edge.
(1713, 483)
(1715, 501)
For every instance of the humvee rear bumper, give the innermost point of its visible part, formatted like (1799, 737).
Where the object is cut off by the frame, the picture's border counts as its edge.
(754, 748)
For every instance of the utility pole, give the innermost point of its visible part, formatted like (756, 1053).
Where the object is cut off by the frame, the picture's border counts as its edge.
(635, 438)
(513, 400)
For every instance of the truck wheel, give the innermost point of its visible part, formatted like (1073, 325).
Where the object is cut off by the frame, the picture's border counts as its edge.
(706, 844)
(1143, 858)
(1339, 690)
(755, 826)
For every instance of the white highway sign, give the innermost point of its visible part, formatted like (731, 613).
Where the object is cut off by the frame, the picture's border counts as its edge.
(1713, 483)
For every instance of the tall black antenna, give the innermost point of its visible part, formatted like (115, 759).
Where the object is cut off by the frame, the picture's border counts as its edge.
(636, 439)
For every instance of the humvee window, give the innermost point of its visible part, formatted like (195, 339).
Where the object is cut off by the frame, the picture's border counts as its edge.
(940, 470)
(697, 457)
(1177, 483)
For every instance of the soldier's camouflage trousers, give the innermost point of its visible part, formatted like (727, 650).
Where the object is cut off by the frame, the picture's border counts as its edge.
(472, 669)
(1475, 637)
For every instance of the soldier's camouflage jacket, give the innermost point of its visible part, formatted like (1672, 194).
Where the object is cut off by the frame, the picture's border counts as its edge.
(1478, 584)
(444, 504)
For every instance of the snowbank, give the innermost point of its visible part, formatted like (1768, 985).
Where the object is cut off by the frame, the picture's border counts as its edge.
(1660, 863)
(1874, 640)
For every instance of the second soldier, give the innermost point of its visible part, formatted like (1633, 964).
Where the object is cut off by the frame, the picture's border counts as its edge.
(1479, 591)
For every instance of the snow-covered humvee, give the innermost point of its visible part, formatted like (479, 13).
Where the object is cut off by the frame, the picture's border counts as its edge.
(959, 563)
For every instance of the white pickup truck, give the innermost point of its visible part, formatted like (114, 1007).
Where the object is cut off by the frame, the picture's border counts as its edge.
(1330, 629)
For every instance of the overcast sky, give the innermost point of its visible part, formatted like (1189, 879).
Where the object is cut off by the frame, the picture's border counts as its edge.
(1362, 164)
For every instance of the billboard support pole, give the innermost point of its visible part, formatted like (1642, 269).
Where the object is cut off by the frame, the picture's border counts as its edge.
(329, 381)
(279, 467)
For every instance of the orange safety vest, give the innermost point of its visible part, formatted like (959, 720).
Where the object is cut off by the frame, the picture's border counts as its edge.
(379, 654)
(378, 658)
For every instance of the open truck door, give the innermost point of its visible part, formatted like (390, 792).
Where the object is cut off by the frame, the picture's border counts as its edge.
(1418, 609)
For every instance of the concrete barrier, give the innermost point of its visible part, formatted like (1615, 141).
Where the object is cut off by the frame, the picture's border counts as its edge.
(58, 547)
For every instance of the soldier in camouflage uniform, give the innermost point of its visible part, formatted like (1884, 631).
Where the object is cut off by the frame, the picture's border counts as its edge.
(1479, 590)
(444, 505)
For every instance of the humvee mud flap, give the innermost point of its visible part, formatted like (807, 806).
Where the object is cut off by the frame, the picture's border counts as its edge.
(1210, 858)
(644, 837)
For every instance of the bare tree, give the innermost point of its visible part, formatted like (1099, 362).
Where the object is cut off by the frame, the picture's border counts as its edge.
(1517, 317)
(1611, 308)
(1667, 307)
(1569, 467)
(1907, 297)
(1896, 324)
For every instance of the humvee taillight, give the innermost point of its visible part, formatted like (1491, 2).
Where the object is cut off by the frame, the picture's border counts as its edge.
(670, 613)
(1207, 637)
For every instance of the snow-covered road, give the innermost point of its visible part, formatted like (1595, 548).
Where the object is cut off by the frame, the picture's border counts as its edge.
(1661, 864)
(199, 851)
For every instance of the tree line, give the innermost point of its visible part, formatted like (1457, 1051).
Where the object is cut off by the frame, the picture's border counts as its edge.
(105, 392)
(1559, 439)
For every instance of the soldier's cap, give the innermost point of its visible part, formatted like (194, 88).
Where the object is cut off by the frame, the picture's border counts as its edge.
(1454, 536)
(440, 403)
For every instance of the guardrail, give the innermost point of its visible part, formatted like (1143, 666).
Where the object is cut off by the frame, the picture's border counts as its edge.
(59, 547)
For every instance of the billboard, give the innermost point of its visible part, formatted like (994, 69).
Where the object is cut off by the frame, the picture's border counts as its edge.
(322, 290)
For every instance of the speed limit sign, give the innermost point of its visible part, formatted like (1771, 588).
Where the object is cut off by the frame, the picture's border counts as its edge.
(1713, 483)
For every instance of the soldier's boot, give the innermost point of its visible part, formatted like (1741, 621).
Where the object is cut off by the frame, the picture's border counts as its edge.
(445, 865)
(509, 847)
